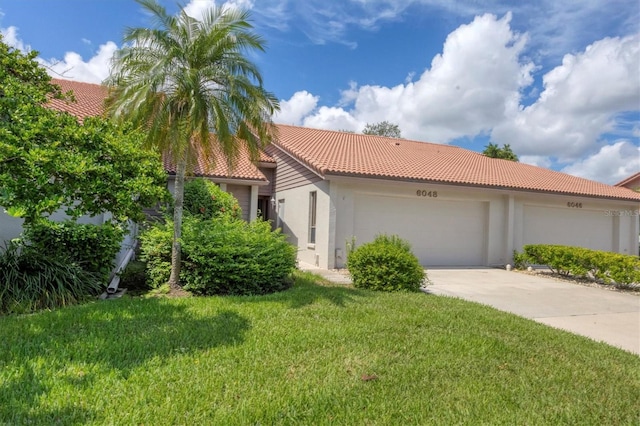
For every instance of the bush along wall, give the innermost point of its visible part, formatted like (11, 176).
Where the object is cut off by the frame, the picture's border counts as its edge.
(605, 267)
(93, 247)
(385, 264)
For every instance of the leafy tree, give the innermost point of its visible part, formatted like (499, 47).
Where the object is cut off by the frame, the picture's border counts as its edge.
(494, 151)
(49, 161)
(185, 78)
(383, 128)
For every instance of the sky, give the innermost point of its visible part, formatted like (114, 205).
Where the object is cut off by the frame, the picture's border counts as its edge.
(557, 80)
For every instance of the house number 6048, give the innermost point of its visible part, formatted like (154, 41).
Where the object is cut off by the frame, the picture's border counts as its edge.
(425, 193)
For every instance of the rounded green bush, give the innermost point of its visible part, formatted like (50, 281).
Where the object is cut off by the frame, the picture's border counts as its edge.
(386, 264)
(221, 256)
(204, 199)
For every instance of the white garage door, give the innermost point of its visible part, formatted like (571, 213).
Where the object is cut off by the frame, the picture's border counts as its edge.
(568, 226)
(441, 233)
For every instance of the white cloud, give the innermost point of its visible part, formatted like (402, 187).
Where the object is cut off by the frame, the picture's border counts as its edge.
(332, 118)
(579, 103)
(10, 37)
(556, 27)
(448, 100)
(535, 160)
(196, 8)
(73, 67)
(611, 164)
(296, 108)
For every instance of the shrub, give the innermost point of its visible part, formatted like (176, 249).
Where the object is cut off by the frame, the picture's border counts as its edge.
(520, 260)
(581, 262)
(94, 247)
(155, 250)
(385, 264)
(204, 199)
(31, 280)
(221, 256)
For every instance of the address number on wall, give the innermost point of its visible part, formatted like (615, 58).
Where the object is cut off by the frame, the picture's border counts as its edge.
(425, 193)
(574, 205)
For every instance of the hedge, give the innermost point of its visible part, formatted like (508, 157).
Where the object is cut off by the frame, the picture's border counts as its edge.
(93, 247)
(607, 267)
(221, 256)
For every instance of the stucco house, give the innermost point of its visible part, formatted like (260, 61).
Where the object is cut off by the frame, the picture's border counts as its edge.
(456, 207)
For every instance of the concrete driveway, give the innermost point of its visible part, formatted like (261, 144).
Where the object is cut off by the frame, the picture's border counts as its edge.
(603, 315)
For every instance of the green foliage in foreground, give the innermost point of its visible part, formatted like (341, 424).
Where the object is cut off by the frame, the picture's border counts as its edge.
(386, 264)
(94, 247)
(49, 161)
(32, 280)
(607, 267)
(221, 256)
(309, 355)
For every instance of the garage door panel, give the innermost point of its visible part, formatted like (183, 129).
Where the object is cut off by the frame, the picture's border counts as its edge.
(441, 233)
(575, 227)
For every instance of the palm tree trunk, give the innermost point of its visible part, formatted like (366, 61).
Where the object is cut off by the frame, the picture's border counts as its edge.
(174, 279)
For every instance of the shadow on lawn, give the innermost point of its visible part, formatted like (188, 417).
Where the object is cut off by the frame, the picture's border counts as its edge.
(308, 289)
(71, 346)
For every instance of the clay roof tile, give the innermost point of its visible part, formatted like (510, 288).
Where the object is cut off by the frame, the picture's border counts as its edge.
(338, 153)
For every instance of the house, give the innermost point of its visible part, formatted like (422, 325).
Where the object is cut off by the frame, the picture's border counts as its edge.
(250, 183)
(456, 207)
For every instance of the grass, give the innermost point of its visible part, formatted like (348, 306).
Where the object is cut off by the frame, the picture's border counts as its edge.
(315, 354)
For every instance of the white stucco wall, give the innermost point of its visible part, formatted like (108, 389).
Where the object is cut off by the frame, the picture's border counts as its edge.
(460, 224)
(295, 221)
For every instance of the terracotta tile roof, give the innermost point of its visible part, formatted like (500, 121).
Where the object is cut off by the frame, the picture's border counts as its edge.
(90, 102)
(349, 154)
(89, 98)
(244, 169)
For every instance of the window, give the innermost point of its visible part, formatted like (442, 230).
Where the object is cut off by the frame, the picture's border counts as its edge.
(313, 198)
(280, 214)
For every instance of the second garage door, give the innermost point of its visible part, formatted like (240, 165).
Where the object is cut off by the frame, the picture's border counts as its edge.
(441, 233)
(572, 227)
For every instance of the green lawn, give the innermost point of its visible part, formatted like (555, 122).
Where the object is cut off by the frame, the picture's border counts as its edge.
(311, 355)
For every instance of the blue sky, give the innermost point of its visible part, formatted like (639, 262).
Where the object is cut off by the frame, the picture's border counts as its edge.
(557, 80)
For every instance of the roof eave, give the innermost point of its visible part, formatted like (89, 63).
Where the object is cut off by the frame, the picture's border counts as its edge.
(328, 175)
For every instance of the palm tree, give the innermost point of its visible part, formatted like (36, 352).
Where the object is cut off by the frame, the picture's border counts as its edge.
(186, 78)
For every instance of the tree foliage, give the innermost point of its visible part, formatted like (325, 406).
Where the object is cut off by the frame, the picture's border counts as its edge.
(49, 161)
(205, 200)
(186, 78)
(494, 151)
(383, 128)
